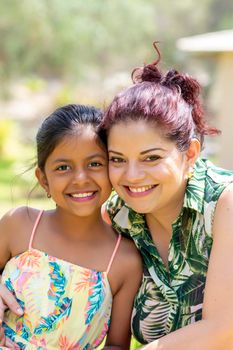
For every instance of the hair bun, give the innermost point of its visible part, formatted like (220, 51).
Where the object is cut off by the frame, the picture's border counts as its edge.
(188, 86)
(149, 72)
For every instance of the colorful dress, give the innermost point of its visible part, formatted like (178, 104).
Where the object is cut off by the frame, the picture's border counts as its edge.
(65, 306)
(171, 298)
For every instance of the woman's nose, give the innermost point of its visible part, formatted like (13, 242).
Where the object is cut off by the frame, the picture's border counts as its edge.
(134, 173)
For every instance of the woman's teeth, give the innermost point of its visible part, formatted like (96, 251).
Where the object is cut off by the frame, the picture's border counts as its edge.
(140, 189)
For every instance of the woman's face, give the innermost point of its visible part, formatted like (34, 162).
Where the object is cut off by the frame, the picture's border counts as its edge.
(146, 169)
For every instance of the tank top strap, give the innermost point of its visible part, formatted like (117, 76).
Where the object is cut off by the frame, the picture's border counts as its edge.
(113, 254)
(34, 228)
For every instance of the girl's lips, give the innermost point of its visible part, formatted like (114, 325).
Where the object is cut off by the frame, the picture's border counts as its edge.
(141, 191)
(82, 196)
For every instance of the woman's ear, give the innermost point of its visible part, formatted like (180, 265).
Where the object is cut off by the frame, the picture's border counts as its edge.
(193, 152)
(41, 177)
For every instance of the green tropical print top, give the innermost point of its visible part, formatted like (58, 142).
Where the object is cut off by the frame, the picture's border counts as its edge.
(171, 298)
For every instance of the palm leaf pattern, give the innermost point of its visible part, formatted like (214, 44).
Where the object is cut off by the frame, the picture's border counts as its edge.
(62, 306)
(96, 296)
(50, 322)
(171, 298)
(57, 282)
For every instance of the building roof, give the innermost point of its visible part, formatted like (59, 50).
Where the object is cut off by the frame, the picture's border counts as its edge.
(221, 41)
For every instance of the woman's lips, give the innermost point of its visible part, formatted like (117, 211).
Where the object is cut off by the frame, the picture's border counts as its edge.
(139, 191)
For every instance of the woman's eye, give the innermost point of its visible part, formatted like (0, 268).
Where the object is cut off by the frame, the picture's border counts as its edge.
(63, 167)
(152, 158)
(116, 160)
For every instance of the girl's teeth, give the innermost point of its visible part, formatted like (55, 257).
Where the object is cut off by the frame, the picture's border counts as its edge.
(82, 195)
(140, 189)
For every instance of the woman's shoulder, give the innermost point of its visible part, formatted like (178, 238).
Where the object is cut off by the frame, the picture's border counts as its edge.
(208, 182)
(226, 198)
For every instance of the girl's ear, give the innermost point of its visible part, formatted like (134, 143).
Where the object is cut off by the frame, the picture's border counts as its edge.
(41, 177)
(193, 152)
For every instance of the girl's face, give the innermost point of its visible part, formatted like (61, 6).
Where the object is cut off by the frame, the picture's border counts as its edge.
(76, 173)
(145, 168)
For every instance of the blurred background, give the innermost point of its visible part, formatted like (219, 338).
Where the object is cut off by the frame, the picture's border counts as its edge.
(55, 52)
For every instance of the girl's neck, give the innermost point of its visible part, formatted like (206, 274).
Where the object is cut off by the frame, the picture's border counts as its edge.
(75, 226)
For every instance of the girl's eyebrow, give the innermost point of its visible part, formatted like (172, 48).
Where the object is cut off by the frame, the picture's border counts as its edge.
(143, 152)
(61, 160)
(97, 155)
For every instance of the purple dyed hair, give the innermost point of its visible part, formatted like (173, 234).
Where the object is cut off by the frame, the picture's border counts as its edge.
(171, 101)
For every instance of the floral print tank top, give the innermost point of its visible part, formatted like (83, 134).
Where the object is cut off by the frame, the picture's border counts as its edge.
(65, 306)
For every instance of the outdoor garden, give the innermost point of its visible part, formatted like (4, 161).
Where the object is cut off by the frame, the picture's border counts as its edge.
(57, 52)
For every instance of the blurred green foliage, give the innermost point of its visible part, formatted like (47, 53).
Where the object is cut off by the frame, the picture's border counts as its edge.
(18, 186)
(76, 38)
(8, 138)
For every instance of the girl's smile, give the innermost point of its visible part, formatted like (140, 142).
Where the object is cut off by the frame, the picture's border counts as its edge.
(76, 173)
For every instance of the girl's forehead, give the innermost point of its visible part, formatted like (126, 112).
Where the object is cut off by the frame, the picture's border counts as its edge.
(79, 134)
(80, 141)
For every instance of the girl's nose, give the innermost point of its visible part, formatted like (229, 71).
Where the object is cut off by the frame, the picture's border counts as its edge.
(80, 176)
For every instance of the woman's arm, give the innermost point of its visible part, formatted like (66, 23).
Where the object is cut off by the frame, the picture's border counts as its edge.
(7, 300)
(215, 330)
(119, 334)
(8, 226)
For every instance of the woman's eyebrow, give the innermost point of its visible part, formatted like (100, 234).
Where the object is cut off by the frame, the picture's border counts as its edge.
(153, 149)
(143, 152)
(115, 152)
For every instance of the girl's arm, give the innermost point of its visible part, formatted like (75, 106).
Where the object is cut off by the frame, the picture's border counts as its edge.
(215, 330)
(119, 334)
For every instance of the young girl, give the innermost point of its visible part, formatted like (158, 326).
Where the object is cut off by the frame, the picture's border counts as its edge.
(69, 271)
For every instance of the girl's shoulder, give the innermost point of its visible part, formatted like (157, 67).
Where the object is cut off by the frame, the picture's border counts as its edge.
(126, 269)
(19, 216)
(129, 257)
(16, 226)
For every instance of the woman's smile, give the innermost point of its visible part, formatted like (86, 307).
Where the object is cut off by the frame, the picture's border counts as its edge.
(139, 191)
(150, 175)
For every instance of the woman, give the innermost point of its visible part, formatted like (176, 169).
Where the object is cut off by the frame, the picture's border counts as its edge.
(177, 208)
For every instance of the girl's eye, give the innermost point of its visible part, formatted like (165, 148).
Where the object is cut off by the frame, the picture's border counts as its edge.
(116, 160)
(63, 167)
(95, 165)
